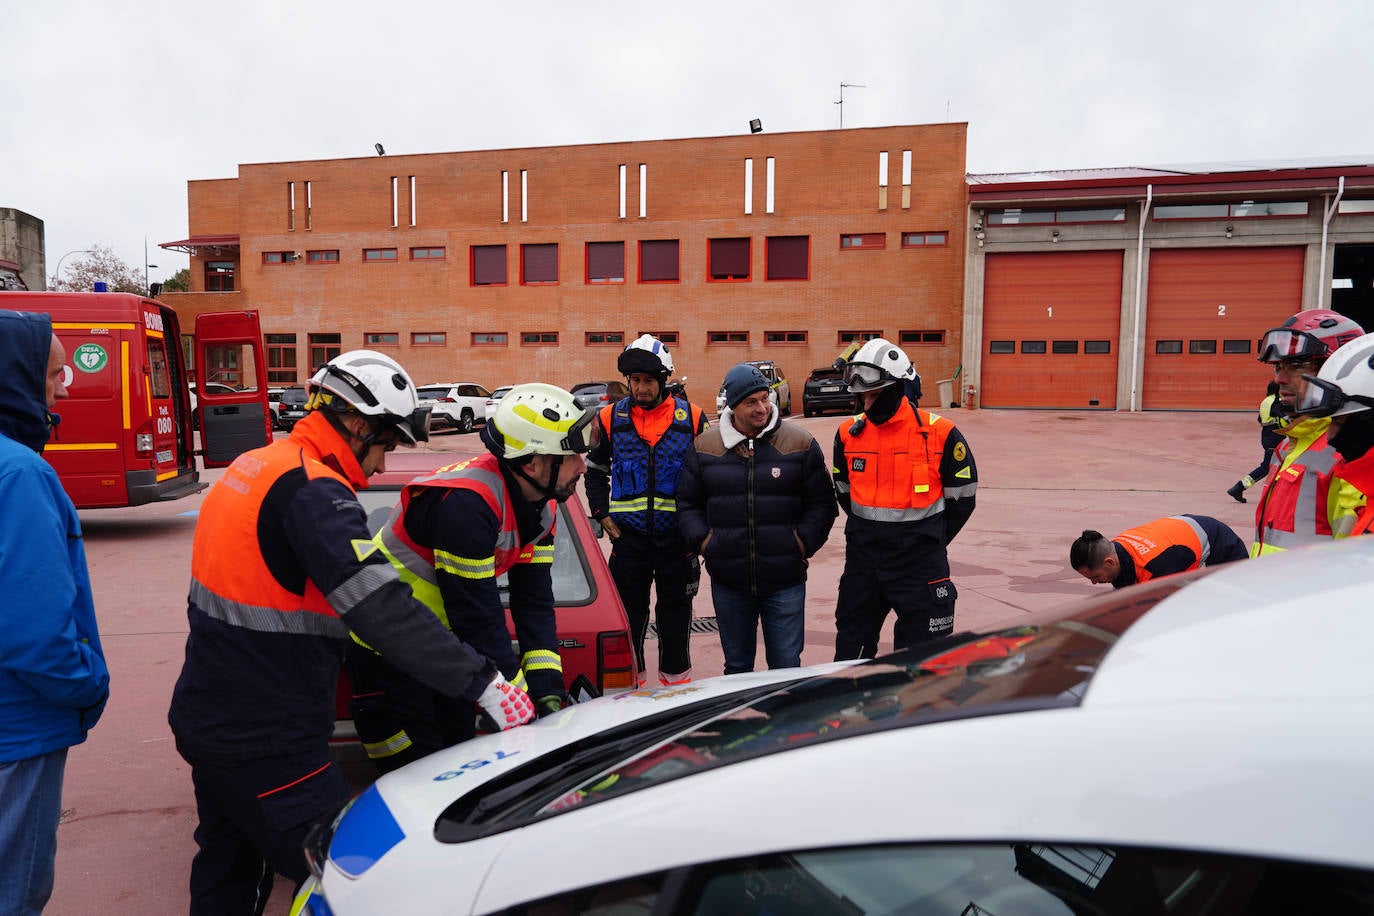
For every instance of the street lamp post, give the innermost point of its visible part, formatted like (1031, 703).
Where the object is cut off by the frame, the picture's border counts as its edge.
(147, 287)
(57, 274)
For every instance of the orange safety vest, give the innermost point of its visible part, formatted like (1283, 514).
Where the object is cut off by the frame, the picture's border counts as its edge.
(1146, 542)
(1360, 475)
(893, 468)
(236, 586)
(1292, 511)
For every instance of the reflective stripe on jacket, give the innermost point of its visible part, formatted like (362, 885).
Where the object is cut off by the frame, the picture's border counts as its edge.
(1147, 542)
(417, 564)
(1293, 510)
(893, 469)
(644, 474)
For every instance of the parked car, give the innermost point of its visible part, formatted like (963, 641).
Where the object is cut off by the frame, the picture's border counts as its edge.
(496, 395)
(593, 632)
(274, 405)
(599, 394)
(455, 405)
(291, 407)
(825, 390)
(778, 388)
(1196, 744)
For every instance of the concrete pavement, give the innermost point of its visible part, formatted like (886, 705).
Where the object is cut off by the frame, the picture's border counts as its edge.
(125, 843)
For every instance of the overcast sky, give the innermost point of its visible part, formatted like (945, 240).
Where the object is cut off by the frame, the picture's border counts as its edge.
(112, 107)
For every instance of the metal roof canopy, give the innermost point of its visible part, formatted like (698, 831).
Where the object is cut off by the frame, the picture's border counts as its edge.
(203, 244)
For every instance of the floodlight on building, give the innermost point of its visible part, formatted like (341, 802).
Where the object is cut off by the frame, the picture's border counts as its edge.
(756, 126)
(381, 150)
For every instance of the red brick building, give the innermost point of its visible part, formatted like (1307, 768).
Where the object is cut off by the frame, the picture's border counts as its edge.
(506, 266)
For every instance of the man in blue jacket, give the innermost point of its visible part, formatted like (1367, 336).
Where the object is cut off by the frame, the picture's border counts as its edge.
(53, 679)
(755, 498)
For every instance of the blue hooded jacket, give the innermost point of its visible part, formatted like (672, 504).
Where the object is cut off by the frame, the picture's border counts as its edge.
(53, 679)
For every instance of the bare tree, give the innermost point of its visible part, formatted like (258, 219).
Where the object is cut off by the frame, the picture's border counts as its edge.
(101, 264)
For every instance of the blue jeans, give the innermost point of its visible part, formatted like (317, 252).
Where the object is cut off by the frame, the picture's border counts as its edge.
(784, 624)
(30, 805)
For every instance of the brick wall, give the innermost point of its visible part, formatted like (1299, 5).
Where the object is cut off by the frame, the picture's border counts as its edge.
(826, 185)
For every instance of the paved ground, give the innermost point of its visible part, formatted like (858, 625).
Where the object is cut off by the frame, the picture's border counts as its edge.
(125, 843)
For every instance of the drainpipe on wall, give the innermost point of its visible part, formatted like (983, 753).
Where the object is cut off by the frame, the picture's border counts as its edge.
(1322, 283)
(1139, 277)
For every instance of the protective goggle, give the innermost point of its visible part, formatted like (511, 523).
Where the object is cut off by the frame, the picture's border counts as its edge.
(863, 377)
(584, 435)
(1324, 399)
(1285, 343)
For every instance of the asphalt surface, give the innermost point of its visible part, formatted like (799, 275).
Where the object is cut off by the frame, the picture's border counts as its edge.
(125, 843)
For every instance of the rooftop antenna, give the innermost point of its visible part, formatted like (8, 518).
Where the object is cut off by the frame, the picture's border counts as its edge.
(840, 100)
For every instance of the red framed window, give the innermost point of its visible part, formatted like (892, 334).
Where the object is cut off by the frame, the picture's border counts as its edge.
(858, 240)
(323, 348)
(428, 254)
(664, 337)
(788, 257)
(281, 357)
(278, 257)
(381, 339)
(784, 337)
(219, 276)
(658, 261)
(330, 256)
(489, 338)
(488, 265)
(924, 239)
(714, 338)
(429, 338)
(373, 255)
(728, 260)
(538, 264)
(848, 337)
(601, 338)
(920, 337)
(539, 338)
(605, 262)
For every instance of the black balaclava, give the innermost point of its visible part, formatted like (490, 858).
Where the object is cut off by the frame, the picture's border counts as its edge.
(886, 404)
(1356, 435)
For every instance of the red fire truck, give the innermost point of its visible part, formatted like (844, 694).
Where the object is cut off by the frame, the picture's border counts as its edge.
(126, 435)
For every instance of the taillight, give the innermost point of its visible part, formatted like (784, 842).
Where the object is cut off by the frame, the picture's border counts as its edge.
(143, 439)
(447, 401)
(615, 660)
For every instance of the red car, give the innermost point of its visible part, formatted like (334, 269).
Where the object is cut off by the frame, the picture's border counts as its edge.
(593, 631)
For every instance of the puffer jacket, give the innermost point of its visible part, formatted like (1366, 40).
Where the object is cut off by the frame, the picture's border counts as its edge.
(53, 678)
(756, 509)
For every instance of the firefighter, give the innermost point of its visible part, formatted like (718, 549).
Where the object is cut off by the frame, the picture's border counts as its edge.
(1344, 391)
(907, 480)
(1301, 504)
(452, 534)
(1158, 548)
(282, 566)
(632, 478)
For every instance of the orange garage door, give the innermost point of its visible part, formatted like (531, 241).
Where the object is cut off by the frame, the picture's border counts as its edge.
(1205, 310)
(1050, 328)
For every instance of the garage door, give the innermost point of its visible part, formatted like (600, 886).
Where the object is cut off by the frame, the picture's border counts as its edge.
(1205, 309)
(1050, 328)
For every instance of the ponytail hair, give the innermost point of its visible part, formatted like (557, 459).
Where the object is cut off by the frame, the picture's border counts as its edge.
(1089, 550)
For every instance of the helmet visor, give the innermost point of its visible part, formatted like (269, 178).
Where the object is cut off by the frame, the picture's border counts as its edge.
(1285, 343)
(864, 377)
(414, 428)
(583, 435)
(1324, 399)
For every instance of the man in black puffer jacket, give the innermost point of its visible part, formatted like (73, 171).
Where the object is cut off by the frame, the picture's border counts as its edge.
(755, 499)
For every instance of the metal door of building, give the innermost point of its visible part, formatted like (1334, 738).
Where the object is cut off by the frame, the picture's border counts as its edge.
(1050, 327)
(1205, 309)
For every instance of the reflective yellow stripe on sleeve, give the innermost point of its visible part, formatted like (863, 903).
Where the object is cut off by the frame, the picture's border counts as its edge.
(541, 660)
(379, 750)
(467, 567)
(542, 554)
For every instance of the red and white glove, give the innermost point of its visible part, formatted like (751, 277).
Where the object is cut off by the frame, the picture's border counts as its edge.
(506, 704)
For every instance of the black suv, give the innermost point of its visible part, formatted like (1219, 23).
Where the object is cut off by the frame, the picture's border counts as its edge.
(291, 407)
(825, 390)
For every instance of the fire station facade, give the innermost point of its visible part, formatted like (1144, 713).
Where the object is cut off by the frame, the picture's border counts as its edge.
(508, 266)
(1125, 289)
